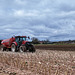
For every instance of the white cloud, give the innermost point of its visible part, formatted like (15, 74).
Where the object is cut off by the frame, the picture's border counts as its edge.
(19, 12)
(23, 13)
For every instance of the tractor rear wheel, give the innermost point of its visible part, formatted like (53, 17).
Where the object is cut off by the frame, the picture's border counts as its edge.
(22, 49)
(13, 48)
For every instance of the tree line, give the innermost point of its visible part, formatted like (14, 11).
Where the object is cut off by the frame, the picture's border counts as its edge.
(36, 41)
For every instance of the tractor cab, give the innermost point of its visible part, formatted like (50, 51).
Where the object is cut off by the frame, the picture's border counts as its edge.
(20, 40)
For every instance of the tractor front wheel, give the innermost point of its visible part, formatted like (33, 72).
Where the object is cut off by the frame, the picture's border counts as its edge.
(22, 49)
(13, 48)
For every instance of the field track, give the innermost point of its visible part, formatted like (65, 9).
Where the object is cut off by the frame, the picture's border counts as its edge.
(56, 47)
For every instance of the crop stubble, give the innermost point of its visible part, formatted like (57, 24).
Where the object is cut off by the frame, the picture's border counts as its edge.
(42, 62)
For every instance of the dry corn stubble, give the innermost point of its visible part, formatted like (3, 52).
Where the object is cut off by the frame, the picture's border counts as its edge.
(41, 62)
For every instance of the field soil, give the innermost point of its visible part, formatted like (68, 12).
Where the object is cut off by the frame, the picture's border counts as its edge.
(42, 62)
(56, 47)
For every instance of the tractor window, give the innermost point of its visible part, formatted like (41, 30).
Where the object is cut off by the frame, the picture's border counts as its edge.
(21, 39)
(17, 39)
(24, 39)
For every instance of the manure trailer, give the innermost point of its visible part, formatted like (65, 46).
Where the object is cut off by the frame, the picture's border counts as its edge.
(17, 44)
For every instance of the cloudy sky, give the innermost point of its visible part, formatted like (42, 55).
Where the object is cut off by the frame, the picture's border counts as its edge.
(44, 19)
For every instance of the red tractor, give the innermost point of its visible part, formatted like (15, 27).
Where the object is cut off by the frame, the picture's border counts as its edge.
(17, 43)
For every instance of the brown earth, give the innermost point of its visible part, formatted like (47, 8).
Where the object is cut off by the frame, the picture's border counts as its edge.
(56, 47)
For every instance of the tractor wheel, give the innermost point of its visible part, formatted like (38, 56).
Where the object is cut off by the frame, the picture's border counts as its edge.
(13, 48)
(31, 49)
(3, 48)
(22, 49)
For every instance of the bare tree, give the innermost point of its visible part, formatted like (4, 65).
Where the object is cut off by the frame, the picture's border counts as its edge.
(35, 40)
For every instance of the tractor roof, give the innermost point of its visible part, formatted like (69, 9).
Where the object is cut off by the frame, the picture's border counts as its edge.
(20, 36)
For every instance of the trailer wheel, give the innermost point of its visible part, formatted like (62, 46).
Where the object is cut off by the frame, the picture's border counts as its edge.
(3, 48)
(22, 49)
(13, 48)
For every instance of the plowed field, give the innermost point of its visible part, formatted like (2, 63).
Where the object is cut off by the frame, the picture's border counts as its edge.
(56, 47)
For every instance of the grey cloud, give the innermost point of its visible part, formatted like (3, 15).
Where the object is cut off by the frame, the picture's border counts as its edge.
(44, 19)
